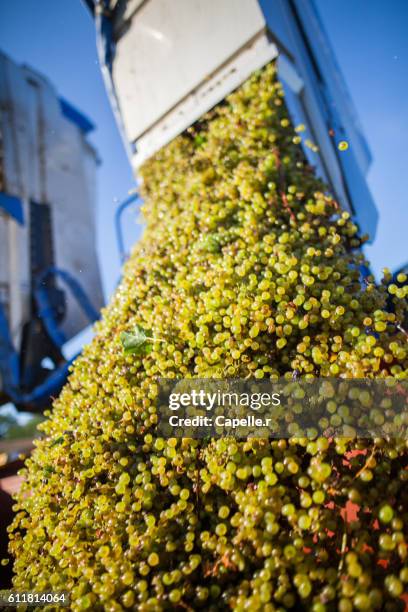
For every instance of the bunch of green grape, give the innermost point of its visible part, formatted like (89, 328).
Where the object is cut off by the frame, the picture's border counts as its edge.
(247, 268)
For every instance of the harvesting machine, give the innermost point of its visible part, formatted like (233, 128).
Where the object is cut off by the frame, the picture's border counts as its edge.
(47, 235)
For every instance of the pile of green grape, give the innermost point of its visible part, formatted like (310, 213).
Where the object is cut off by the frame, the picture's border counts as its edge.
(247, 268)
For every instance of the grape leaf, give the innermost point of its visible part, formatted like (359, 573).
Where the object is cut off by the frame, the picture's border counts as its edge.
(136, 342)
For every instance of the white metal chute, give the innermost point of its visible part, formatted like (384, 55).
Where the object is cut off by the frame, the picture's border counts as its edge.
(175, 60)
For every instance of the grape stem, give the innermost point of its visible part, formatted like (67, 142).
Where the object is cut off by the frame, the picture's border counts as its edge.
(287, 207)
(401, 329)
(366, 464)
(182, 604)
(343, 547)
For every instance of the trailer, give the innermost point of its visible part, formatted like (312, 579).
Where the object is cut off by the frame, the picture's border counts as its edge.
(47, 234)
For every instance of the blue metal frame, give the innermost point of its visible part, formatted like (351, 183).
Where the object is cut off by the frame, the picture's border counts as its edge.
(13, 206)
(90, 5)
(9, 362)
(45, 310)
(118, 225)
(75, 116)
(9, 358)
(40, 396)
(106, 51)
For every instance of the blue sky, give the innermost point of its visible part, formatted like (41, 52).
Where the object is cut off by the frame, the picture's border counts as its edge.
(57, 38)
(370, 41)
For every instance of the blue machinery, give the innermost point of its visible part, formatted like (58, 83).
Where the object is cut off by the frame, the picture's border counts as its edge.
(47, 235)
(10, 365)
(45, 309)
(118, 224)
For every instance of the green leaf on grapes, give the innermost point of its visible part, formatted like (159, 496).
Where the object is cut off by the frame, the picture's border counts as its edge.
(136, 342)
